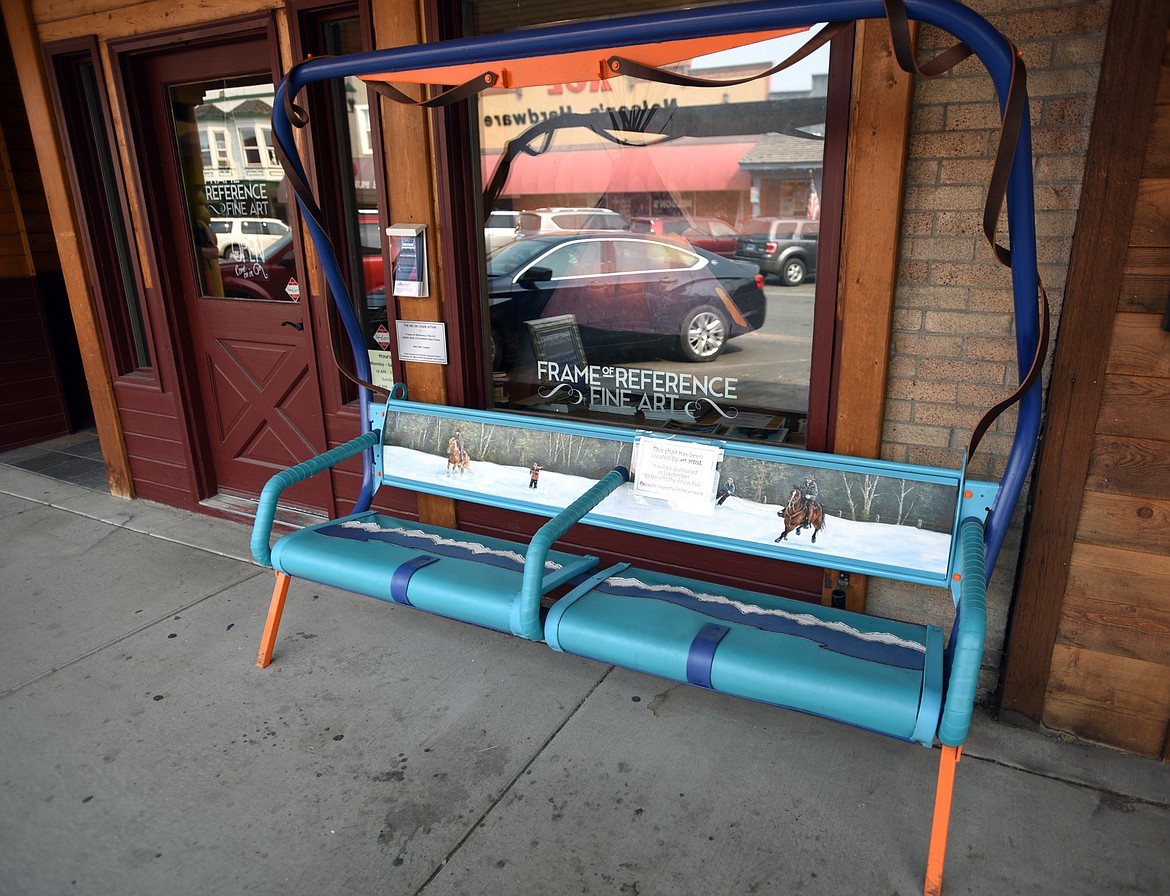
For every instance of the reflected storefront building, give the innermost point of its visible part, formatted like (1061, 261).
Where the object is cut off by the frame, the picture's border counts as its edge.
(233, 184)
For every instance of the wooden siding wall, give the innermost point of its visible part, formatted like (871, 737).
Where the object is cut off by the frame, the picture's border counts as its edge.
(35, 225)
(1110, 676)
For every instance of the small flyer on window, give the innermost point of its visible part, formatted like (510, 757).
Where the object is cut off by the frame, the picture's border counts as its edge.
(681, 472)
(422, 341)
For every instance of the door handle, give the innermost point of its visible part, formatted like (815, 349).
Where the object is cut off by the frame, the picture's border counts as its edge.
(293, 324)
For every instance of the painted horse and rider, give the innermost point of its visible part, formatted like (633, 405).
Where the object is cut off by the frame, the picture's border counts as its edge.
(803, 509)
(457, 457)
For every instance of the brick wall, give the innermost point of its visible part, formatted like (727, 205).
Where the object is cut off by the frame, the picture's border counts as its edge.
(953, 335)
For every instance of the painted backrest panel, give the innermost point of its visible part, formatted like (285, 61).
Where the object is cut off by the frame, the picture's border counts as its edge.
(881, 518)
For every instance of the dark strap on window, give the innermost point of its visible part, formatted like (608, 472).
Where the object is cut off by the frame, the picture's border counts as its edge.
(905, 51)
(298, 117)
(464, 91)
(1011, 121)
(620, 65)
(312, 210)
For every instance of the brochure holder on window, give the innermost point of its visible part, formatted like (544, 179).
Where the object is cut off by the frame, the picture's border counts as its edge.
(408, 257)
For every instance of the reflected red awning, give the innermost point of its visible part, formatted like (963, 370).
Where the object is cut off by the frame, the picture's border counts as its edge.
(678, 166)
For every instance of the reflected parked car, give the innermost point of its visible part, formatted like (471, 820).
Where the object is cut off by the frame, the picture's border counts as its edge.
(786, 247)
(624, 291)
(560, 219)
(255, 278)
(243, 238)
(269, 277)
(712, 234)
(499, 229)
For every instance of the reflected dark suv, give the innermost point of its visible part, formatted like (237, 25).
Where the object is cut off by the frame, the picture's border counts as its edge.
(785, 247)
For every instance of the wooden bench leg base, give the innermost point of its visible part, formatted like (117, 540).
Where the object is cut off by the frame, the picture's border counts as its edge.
(275, 609)
(942, 818)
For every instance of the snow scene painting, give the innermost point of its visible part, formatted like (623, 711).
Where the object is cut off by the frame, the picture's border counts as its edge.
(883, 520)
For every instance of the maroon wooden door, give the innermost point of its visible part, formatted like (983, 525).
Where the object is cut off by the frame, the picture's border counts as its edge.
(225, 243)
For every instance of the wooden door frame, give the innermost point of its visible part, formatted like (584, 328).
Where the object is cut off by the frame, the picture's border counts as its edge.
(178, 357)
(111, 311)
(38, 104)
(1134, 46)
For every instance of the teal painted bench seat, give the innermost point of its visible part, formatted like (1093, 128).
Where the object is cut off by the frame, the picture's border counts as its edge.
(907, 680)
(880, 674)
(874, 673)
(936, 528)
(443, 571)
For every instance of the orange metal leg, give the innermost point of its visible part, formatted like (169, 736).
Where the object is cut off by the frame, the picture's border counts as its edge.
(942, 818)
(279, 593)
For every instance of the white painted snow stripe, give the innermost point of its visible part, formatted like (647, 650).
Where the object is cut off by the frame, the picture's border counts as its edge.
(751, 609)
(473, 547)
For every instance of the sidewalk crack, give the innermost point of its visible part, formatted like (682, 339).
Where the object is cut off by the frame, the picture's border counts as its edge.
(512, 783)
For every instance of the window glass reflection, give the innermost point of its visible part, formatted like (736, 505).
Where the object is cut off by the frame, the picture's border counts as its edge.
(234, 187)
(651, 249)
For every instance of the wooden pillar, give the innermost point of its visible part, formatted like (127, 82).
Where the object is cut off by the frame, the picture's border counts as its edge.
(1134, 48)
(409, 174)
(26, 51)
(879, 128)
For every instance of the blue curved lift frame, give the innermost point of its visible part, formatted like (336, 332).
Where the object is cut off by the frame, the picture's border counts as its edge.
(995, 52)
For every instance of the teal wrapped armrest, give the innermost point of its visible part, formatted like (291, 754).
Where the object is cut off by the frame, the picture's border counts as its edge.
(526, 612)
(266, 510)
(966, 651)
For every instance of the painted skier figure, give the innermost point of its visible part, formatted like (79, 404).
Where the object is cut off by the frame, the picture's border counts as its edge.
(534, 475)
(727, 491)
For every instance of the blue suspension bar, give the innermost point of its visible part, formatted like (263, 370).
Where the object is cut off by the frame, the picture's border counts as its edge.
(283, 128)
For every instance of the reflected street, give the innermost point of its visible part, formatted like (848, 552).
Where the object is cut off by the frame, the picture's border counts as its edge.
(771, 364)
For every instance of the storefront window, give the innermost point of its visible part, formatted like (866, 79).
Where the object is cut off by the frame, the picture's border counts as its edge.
(349, 110)
(99, 187)
(651, 250)
(233, 183)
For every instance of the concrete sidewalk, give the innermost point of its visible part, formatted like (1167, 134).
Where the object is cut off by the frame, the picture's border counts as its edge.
(388, 751)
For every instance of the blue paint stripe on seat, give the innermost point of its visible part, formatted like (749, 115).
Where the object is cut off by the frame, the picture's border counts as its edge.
(835, 638)
(702, 654)
(400, 579)
(460, 551)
